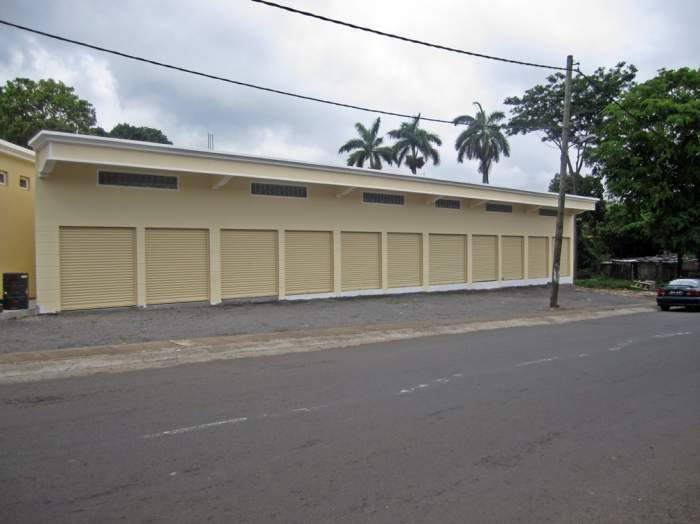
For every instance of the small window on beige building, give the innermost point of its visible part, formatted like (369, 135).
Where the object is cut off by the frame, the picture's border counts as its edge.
(24, 183)
(3, 178)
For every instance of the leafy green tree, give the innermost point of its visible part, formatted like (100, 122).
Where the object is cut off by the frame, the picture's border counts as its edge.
(587, 185)
(483, 139)
(649, 156)
(621, 232)
(367, 147)
(414, 145)
(142, 133)
(540, 109)
(27, 107)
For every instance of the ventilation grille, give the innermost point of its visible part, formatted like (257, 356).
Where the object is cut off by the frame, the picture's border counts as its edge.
(278, 190)
(383, 198)
(499, 208)
(544, 212)
(111, 178)
(448, 203)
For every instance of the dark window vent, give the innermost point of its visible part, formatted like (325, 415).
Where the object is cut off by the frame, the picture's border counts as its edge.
(448, 203)
(278, 190)
(499, 208)
(111, 178)
(544, 212)
(382, 198)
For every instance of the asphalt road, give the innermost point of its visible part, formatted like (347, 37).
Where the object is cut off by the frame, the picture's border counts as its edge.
(595, 421)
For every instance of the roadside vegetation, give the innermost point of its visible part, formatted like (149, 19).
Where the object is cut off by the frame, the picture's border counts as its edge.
(601, 282)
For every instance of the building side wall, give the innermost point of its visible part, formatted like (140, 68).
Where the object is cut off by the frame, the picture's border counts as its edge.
(17, 220)
(70, 196)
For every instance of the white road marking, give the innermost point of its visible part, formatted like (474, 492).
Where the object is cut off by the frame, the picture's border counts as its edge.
(621, 345)
(538, 361)
(440, 380)
(667, 335)
(187, 429)
(582, 355)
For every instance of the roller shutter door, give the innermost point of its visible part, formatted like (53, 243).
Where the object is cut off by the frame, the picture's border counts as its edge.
(177, 265)
(512, 258)
(308, 262)
(448, 259)
(405, 259)
(485, 258)
(565, 266)
(97, 267)
(361, 260)
(537, 250)
(249, 266)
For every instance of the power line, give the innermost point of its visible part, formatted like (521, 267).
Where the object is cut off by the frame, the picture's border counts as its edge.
(220, 78)
(404, 38)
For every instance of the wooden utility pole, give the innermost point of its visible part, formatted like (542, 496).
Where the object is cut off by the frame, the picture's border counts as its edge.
(556, 263)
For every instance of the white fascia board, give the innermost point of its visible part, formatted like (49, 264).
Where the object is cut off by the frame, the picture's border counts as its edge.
(16, 151)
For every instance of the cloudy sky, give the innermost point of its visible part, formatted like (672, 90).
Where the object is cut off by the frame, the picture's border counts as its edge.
(257, 44)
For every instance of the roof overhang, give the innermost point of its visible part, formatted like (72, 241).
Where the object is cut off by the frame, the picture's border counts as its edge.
(53, 147)
(16, 151)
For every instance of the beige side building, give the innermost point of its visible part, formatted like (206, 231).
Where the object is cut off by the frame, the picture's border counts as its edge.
(17, 173)
(123, 223)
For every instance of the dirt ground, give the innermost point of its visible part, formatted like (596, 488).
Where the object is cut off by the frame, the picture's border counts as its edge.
(97, 327)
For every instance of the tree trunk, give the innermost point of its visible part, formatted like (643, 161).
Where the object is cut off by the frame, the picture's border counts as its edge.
(679, 265)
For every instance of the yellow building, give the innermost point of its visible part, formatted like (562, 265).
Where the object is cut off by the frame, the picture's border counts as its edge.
(17, 211)
(123, 223)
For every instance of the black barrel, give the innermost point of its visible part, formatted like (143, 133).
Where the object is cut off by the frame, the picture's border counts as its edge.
(15, 291)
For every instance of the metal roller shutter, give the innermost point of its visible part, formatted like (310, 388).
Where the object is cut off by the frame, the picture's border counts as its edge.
(537, 250)
(405, 259)
(249, 264)
(308, 262)
(448, 259)
(361, 260)
(565, 266)
(97, 267)
(485, 258)
(177, 265)
(512, 258)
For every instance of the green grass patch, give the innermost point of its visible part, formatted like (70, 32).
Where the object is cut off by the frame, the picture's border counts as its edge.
(605, 283)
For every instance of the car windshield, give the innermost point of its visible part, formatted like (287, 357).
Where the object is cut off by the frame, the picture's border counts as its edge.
(684, 282)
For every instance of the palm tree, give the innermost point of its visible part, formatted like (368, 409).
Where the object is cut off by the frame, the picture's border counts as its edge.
(482, 139)
(367, 147)
(414, 145)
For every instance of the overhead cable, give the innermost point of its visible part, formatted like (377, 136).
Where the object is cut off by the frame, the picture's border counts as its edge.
(220, 78)
(405, 38)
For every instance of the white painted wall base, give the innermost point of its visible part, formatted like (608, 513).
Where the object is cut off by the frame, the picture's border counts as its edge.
(362, 293)
(496, 284)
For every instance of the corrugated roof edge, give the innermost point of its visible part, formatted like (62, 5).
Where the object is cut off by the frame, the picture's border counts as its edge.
(42, 137)
(16, 151)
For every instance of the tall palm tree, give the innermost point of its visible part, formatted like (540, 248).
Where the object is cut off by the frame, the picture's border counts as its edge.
(414, 145)
(367, 147)
(482, 139)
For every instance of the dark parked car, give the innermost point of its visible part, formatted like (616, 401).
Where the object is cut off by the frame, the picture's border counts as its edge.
(679, 292)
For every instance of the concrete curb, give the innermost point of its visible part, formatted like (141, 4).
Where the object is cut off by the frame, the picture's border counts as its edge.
(60, 363)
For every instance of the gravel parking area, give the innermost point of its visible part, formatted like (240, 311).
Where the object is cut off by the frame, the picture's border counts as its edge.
(98, 327)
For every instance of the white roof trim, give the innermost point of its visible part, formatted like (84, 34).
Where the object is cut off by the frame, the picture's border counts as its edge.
(16, 151)
(44, 137)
